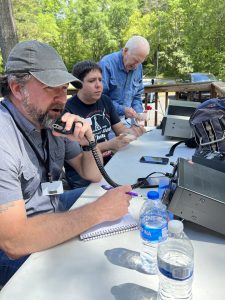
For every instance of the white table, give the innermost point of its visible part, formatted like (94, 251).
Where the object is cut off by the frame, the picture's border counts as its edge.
(108, 268)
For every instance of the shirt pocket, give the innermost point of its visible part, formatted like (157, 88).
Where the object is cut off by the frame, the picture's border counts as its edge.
(57, 161)
(30, 182)
(136, 86)
(114, 88)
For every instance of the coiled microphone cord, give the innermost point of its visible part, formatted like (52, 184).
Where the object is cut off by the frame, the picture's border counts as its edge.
(59, 126)
(103, 171)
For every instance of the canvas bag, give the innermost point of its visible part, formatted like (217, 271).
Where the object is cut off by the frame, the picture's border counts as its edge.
(208, 125)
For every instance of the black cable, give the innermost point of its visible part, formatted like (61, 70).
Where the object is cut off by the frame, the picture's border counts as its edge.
(59, 126)
(171, 152)
(100, 165)
(106, 176)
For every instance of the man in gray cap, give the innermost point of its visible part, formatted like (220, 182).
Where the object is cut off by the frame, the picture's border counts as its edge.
(33, 207)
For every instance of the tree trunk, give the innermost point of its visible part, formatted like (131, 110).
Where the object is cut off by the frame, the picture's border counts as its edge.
(8, 35)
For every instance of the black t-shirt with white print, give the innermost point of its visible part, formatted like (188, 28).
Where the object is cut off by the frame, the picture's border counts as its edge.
(101, 115)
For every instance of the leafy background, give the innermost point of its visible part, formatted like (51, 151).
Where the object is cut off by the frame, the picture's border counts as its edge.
(185, 35)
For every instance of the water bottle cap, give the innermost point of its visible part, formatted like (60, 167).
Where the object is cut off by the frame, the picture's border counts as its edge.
(175, 226)
(153, 195)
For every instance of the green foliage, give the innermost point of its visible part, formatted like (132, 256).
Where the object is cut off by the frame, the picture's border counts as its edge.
(184, 35)
(35, 22)
(204, 32)
(1, 64)
(119, 13)
(90, 29)
(83, 32)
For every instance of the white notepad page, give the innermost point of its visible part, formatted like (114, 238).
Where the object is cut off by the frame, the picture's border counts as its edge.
(126, 223)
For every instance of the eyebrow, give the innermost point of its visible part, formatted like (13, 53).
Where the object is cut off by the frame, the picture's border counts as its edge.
(96, 77)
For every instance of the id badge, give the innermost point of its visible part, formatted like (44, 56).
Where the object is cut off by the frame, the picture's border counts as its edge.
(52, 188)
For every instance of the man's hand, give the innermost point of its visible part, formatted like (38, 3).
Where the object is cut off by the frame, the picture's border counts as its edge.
(137, 130)
(130, 112)
(121, 141)
(114, 203)
(82, 132)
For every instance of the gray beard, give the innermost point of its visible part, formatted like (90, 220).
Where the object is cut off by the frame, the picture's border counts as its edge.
(37, 115)
(47, 122)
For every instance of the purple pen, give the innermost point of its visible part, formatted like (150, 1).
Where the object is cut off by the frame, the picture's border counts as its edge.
(109, 187)
(133, 194)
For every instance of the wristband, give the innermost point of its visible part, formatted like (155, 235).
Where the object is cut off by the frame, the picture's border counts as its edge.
(92, 144)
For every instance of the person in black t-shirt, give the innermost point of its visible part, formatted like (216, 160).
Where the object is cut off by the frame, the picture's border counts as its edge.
(99, 110)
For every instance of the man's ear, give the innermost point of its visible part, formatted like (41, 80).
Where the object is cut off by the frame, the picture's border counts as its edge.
(16, 90)
(125, 50)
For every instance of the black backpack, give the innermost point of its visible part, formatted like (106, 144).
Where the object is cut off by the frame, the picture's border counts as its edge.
(208, 125)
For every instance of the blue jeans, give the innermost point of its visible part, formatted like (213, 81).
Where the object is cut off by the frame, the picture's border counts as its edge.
(8, 266)
(68, 198)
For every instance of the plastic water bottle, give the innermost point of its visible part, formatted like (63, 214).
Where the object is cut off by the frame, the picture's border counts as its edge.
(153, 230)
(175, 263)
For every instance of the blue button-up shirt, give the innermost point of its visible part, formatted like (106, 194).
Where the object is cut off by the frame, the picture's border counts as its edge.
(124, 88)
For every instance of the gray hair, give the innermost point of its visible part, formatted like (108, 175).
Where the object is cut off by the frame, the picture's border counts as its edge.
(137, 42)
(20, 78)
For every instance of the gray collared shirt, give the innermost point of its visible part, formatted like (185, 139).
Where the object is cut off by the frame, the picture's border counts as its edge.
(21, 171)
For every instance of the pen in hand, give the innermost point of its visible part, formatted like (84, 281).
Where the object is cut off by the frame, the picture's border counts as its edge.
(109, 187)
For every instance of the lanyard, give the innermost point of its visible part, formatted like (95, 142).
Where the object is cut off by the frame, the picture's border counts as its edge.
(45, 142)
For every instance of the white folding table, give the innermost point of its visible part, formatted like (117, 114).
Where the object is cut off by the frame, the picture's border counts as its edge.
(109, 268)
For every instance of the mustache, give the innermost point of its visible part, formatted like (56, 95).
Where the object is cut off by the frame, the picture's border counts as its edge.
(56, 107)
(47, 121)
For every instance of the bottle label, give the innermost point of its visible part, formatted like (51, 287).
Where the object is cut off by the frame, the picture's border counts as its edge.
(175, 272)
(152, 234)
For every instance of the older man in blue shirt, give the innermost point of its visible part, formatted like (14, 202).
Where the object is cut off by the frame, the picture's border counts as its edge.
(122, 76)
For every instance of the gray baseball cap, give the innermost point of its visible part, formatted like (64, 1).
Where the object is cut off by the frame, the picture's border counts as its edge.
(42, 61)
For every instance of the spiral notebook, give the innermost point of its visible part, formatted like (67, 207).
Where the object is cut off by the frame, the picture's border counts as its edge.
(126, 223)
